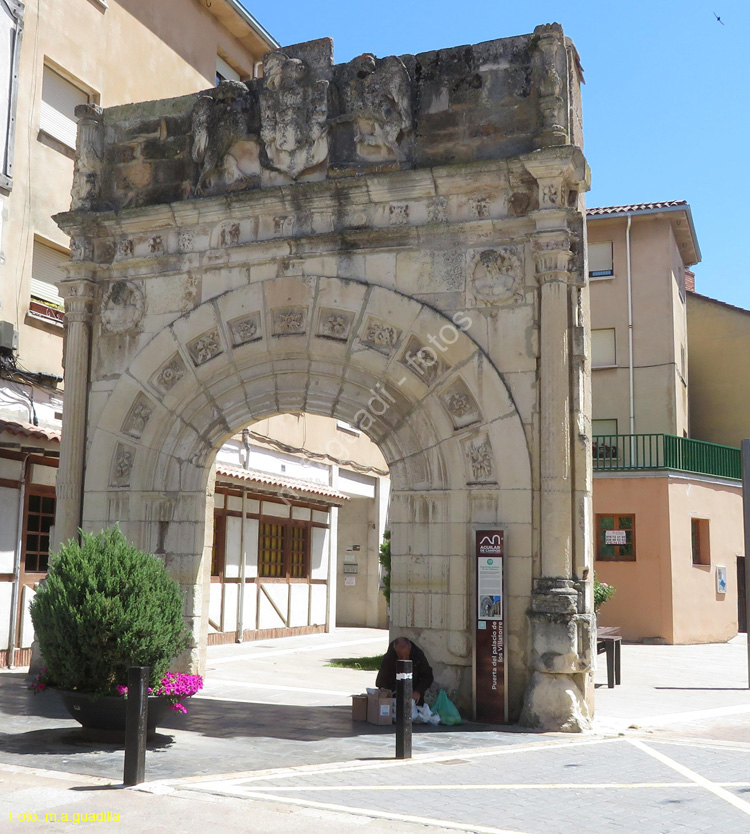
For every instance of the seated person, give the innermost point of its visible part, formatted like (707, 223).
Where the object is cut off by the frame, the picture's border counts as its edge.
(403, 649)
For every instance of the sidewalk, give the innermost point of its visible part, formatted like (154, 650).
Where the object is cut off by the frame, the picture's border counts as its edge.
(272, 732)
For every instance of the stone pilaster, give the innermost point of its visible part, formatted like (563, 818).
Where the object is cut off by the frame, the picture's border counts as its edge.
(560, 625)
(89, 153)
(79, 302)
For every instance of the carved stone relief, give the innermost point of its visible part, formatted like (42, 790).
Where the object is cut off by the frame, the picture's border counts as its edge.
(289, 321)
(547, 63)
(480, 460)
(479, 207)
(294, 110)
(138, 416)
(460, 405)
(245, 329)
(122, 308)
(230, 235)
(335, 324)
(205, 347)
(224, 147)
(185, 241)
(497, 277)
(398, 214)
(155, 244)
(423, 361)
(379, 336)
(125, 248)
(437, 210)
(122, 465)
(376, 97)
(81, 249)
(169, 374)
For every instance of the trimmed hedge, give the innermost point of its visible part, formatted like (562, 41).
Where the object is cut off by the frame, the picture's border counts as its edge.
(105, 606)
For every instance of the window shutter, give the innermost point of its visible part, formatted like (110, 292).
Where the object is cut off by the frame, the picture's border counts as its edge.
(46, 273)
(600, 259)
(603, 352)
(59, 101)
(225, 71)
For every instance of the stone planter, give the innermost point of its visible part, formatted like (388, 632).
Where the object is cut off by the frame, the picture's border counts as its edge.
(103, 718)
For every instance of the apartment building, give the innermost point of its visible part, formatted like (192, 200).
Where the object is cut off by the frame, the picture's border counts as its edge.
(667, 504)
(62, 55)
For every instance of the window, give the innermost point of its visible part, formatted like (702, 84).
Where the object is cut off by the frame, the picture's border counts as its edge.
(603, 354)
(224, 72)
(60, 98)
(608, 427)
(700, 541)
(218, 548)
(615, 538)
(600, 260)
(11, 29)
(40, 516)
(283, 550)
(46, 303)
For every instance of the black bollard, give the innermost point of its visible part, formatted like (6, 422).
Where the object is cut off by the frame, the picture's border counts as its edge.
(403, 709)
(136, 716)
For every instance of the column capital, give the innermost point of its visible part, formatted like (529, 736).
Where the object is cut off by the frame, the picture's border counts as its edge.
(79, 294)
(552, 253)
(561, 175)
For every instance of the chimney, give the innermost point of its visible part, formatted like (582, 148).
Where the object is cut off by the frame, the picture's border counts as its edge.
(689, 281)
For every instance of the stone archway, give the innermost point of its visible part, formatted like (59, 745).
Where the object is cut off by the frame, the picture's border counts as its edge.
(346, 268)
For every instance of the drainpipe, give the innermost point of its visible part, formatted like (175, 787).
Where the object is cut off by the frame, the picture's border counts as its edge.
(630, 331)
(15, 592)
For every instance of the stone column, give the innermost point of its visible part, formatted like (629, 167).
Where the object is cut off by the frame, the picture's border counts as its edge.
(560, 627)
(78, 292)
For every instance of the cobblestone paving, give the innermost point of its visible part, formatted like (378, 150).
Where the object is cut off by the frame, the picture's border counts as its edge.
(592, 786)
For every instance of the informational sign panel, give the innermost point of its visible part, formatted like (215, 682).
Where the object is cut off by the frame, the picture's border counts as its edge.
(615, 537)
(490, 628)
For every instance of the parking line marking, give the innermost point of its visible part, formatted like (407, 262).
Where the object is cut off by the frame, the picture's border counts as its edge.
(713, 787)
(385, 815)
(442, 788)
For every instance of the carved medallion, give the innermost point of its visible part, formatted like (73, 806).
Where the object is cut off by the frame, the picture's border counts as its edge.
(169, 374)
(138, 416)
(289, 321)
(205, 347)
(335, 324)
(294, 110)
(125, 248)
(498, 275)
(423, 361)
(437, 210)
(460, 405)
(245, 329)
(155, 244)
(379, 336)
(122, 308)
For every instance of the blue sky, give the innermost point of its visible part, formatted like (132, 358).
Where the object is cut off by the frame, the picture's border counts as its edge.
(666, 101)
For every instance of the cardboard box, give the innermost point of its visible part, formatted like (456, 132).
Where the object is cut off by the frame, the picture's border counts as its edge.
(380, 707)
(359, 707)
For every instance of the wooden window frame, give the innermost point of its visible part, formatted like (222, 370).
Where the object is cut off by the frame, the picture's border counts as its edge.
(286, 564)
(700, 541)
(617, 554)
(41, 493)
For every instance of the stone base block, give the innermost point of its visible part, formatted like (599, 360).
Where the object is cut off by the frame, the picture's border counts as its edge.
(555, 703)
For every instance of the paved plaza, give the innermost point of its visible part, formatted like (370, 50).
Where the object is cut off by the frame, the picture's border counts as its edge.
(269, 746)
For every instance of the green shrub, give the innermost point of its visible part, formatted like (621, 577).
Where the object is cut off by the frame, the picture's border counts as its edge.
(385, 561)
(106, 606)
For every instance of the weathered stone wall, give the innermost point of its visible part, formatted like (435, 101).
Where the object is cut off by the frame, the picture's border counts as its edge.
(466, 104)
(397, 243)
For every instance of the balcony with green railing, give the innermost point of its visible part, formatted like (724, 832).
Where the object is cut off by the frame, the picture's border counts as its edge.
(634, 452)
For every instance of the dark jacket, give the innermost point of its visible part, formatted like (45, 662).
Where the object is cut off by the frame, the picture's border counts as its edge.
(422, 676)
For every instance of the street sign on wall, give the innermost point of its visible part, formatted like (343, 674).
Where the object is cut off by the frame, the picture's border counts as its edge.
(490, 681)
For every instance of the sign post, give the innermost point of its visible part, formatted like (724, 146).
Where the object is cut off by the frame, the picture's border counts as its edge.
(490, 667)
